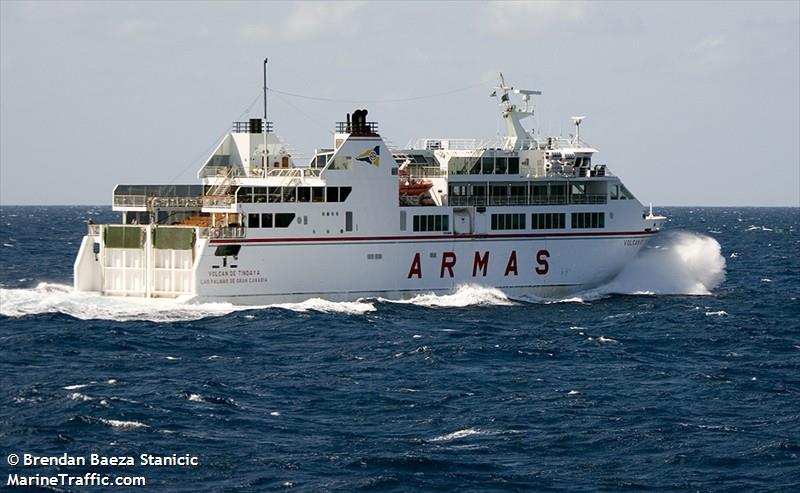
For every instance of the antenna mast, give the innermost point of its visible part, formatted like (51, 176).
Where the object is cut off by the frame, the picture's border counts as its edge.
(266, 125)
(577, 121)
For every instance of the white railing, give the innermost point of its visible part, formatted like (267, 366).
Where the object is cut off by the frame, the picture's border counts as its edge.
(219, 171)
(218, 201)
(145, 201)
(445, 144)
(295, 172)
(413, 172)
(130, 200)
(190, 202)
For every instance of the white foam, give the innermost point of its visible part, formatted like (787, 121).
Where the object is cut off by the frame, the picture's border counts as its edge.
(720, 313)
(573, 392)
(75, 387)
(77, 396)
(60, 298)
(457, 435)
(195, 397)
(465, 295)
(679, 263)
(317, 304)
(605, 339)
(122, 424)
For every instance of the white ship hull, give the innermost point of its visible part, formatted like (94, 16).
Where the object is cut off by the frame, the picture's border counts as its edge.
(280, 272)
(268, 272)
(532, 217)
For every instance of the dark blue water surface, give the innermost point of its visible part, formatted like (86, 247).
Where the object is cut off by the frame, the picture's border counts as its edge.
(604, 392)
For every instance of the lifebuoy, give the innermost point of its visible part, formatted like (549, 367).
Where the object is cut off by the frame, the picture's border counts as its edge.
(215, 233)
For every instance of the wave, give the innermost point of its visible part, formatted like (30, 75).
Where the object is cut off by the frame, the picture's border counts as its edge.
(317, 304)
(456, 435)
(465, 295)
(678, 262)
(61, 298)
(115, 423)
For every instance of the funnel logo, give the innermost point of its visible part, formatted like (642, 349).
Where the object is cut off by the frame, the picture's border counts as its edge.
(372, 156)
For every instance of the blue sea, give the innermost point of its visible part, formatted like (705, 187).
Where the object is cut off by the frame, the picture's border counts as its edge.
(683, 374)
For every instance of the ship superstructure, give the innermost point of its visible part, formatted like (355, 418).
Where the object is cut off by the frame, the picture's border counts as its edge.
(529, 215)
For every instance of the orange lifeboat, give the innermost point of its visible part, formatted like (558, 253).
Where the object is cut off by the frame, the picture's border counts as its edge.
(414, 188)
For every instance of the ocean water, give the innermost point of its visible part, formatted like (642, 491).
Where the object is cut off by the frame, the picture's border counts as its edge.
(682, 374)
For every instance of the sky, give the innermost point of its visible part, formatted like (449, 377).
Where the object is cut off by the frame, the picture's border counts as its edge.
(690, 103)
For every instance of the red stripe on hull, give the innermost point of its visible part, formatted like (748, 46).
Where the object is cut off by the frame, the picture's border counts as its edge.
(438, 237)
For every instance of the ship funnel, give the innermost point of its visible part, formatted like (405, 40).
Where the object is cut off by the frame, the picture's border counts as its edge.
(256, 126)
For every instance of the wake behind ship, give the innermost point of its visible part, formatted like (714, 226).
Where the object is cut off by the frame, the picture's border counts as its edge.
(530, 215)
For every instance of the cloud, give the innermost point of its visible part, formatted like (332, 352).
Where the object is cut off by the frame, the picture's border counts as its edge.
(140, 28)
(309, 21)
(544, 18)
(49, 11)
(710, 53)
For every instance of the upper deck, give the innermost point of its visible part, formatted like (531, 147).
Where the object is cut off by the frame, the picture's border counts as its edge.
(252, 165)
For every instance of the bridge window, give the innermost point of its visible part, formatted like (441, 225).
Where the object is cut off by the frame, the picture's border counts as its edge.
(304, 194)
(588, 220)
(260, 194)
(500, 165)
(344, 192)
(487, 165)
(274, 194)
(253, 221)
(266, 220)
(333, 194)
(317, 194)
(289, 194)
(244, 195)
(513, 166)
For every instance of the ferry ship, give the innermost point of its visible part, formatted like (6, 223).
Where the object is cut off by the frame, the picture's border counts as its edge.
(530, 215)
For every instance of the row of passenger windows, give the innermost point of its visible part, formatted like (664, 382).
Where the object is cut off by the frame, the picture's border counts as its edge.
(269, 220)
(508, 221)
(506, 189)
(247, 195)
(585, 220)
(432, 222)
(486, 165)
(580, 220)
(548, 220)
